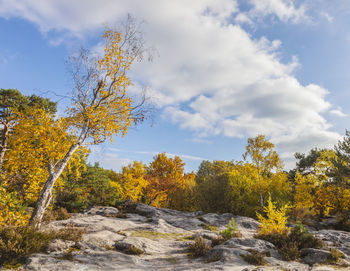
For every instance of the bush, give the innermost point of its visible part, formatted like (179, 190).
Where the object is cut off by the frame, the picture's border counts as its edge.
(275, 221)
(16, 243)
(290, 244)
(59, 214)
(199, 247)
(231, 230)
(254, 257)
(335, 256)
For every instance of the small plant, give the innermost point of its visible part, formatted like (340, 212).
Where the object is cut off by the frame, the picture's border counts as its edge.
(231, 230)
(128, 248)
(254, 257)
(335, 256)
(217, 241)
(275, 221)
(199, 247)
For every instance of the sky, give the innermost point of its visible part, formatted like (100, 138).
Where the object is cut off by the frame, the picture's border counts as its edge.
(222, 71)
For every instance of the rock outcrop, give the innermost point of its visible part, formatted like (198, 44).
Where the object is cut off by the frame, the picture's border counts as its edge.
(141, 237)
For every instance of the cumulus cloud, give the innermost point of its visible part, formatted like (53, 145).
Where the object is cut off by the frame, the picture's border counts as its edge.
(211, 76)
(285, 10)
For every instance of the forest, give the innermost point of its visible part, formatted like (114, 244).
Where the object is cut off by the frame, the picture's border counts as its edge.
(317, 187)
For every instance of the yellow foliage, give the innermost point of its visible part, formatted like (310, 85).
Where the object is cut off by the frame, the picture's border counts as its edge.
(37, 140)
(133, 181)
(304, 191)
(165, 176)
(11, 209)
(107, 111)
(275, 221)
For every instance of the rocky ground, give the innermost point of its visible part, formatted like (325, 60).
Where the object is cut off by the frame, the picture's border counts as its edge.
(162, 237)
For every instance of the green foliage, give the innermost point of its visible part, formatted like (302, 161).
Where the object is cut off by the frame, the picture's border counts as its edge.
(230, 231)
(199, 247)
(93, 187)
(233, 187)
(17, 243)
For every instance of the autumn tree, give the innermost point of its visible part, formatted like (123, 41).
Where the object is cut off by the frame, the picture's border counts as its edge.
(12, 102)
(101, 105)
(133, 181)
(228, 186)
(264, 157)
(165, 176)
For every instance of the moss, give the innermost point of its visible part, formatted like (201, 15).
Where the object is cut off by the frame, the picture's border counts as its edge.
(171, 260)
(210, 227)
(154, 235)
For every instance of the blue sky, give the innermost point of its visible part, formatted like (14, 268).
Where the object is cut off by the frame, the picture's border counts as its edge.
(223, 71)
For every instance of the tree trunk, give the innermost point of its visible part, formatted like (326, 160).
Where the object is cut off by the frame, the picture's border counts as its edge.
(3, 148)
(45, 195)
(260, 188)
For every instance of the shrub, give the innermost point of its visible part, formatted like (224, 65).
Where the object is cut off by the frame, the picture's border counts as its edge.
(16, 243)
(199, 247)
(254, 257)
(335, 256)
(275, 221)
(231, 230)
(59, 214)
(217, 241)
(128, 248)
(290, 243)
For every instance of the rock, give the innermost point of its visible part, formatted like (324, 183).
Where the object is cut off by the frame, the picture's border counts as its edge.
(59, 246)
(103, 211)
(102, 238)
(149, 238)
(329, 222)
(312, 255)
(335, 239)
(247, 223)
(251, 243)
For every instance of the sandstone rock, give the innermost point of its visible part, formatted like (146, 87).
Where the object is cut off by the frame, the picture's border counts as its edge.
(103, 211)
(164, 236)
(312, 255)
(59, 246)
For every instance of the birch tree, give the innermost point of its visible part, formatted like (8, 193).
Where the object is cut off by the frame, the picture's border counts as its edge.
(263, 157)
(101, 104)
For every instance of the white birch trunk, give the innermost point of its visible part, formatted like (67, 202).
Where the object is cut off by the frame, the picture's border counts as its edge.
(45, 195)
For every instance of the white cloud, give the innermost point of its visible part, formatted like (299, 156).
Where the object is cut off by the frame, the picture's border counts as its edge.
(285, 10)
(338, 113)
(211, 76)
